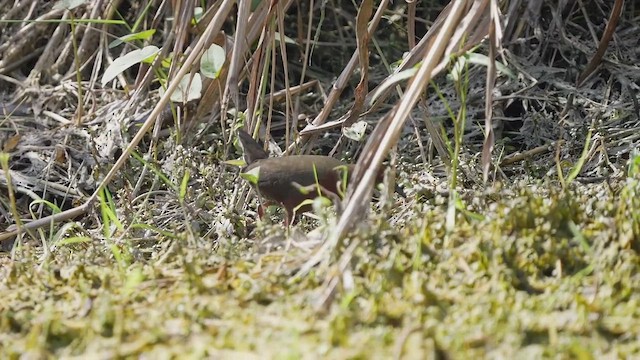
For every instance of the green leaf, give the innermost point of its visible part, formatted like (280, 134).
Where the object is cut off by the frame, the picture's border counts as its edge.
(54, 208)
(184, 184)
(356, 131)
(68, 4)
(166, 62)
(124, 62)
(235, 162)
(190, 88)
(72, 240)
(320, 203)
(478, 59)
(212, 61)
(575, 171)
(143, 35)
(302, 204)
(252, 175)
(198, 12)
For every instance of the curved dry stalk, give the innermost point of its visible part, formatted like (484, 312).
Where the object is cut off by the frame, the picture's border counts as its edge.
(604, 42)
(495, 35)
(387, 132)
(319, 123)
(457, 22)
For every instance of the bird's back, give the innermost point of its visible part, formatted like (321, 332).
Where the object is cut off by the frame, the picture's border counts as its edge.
(277, 175)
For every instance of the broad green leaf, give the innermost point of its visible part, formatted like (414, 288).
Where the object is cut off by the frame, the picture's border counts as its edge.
(212, 61)
(190, 88)
(68, 4)
(124, 62)
(197, 14)
(355, 131)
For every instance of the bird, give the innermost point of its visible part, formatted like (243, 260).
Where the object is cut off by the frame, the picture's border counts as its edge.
(279, 179)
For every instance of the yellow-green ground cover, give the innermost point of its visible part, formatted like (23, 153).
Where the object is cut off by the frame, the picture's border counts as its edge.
(524, 273)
